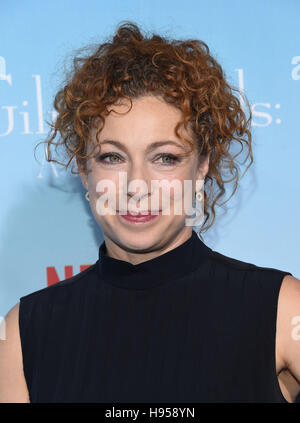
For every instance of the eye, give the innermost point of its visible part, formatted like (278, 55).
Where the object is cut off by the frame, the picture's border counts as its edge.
(171, 160)
(102, 158)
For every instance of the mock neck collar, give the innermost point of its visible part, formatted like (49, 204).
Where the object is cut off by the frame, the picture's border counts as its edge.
(173, 264)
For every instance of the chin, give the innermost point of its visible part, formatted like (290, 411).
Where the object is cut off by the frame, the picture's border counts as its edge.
(139, 241)
(140, 238)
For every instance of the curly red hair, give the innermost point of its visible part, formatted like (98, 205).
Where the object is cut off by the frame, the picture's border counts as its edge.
(184, 74)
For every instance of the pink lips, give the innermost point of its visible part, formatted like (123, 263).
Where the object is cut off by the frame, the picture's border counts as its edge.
(140, 217)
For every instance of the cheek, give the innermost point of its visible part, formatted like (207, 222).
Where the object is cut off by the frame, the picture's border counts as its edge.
(180, 192)
(102, 188)
(184, 198)
(184, 182)
(100, 182)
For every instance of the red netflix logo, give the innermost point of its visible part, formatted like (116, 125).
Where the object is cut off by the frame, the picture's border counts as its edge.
(52, 276)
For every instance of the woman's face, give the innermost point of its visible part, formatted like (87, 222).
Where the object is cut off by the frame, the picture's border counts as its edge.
(128, 149)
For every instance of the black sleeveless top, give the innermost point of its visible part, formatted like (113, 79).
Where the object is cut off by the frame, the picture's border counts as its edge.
(190, 325)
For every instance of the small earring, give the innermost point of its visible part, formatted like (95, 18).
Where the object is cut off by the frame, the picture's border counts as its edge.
(87, 196)
(199, 187)
(199, 195)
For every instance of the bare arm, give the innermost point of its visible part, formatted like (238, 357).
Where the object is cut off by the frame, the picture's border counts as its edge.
(13, 387)
(289, 333)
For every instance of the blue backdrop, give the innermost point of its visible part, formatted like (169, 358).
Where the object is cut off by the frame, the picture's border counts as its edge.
(47, 232)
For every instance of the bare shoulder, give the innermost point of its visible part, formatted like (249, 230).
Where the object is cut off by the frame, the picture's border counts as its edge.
(13, 387)
(288, 314)
(288, 334)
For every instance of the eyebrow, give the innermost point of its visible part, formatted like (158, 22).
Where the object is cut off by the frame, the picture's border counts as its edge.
(150, 147)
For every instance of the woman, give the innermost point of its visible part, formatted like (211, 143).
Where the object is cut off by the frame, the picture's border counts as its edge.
(160, 317)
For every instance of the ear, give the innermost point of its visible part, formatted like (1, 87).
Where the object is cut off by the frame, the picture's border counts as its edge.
(83, 175)
(203, 167)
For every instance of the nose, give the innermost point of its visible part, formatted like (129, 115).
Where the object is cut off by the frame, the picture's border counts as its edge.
(139, 181)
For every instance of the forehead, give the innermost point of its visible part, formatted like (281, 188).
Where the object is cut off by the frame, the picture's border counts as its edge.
(146, 113)
(150, 119)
